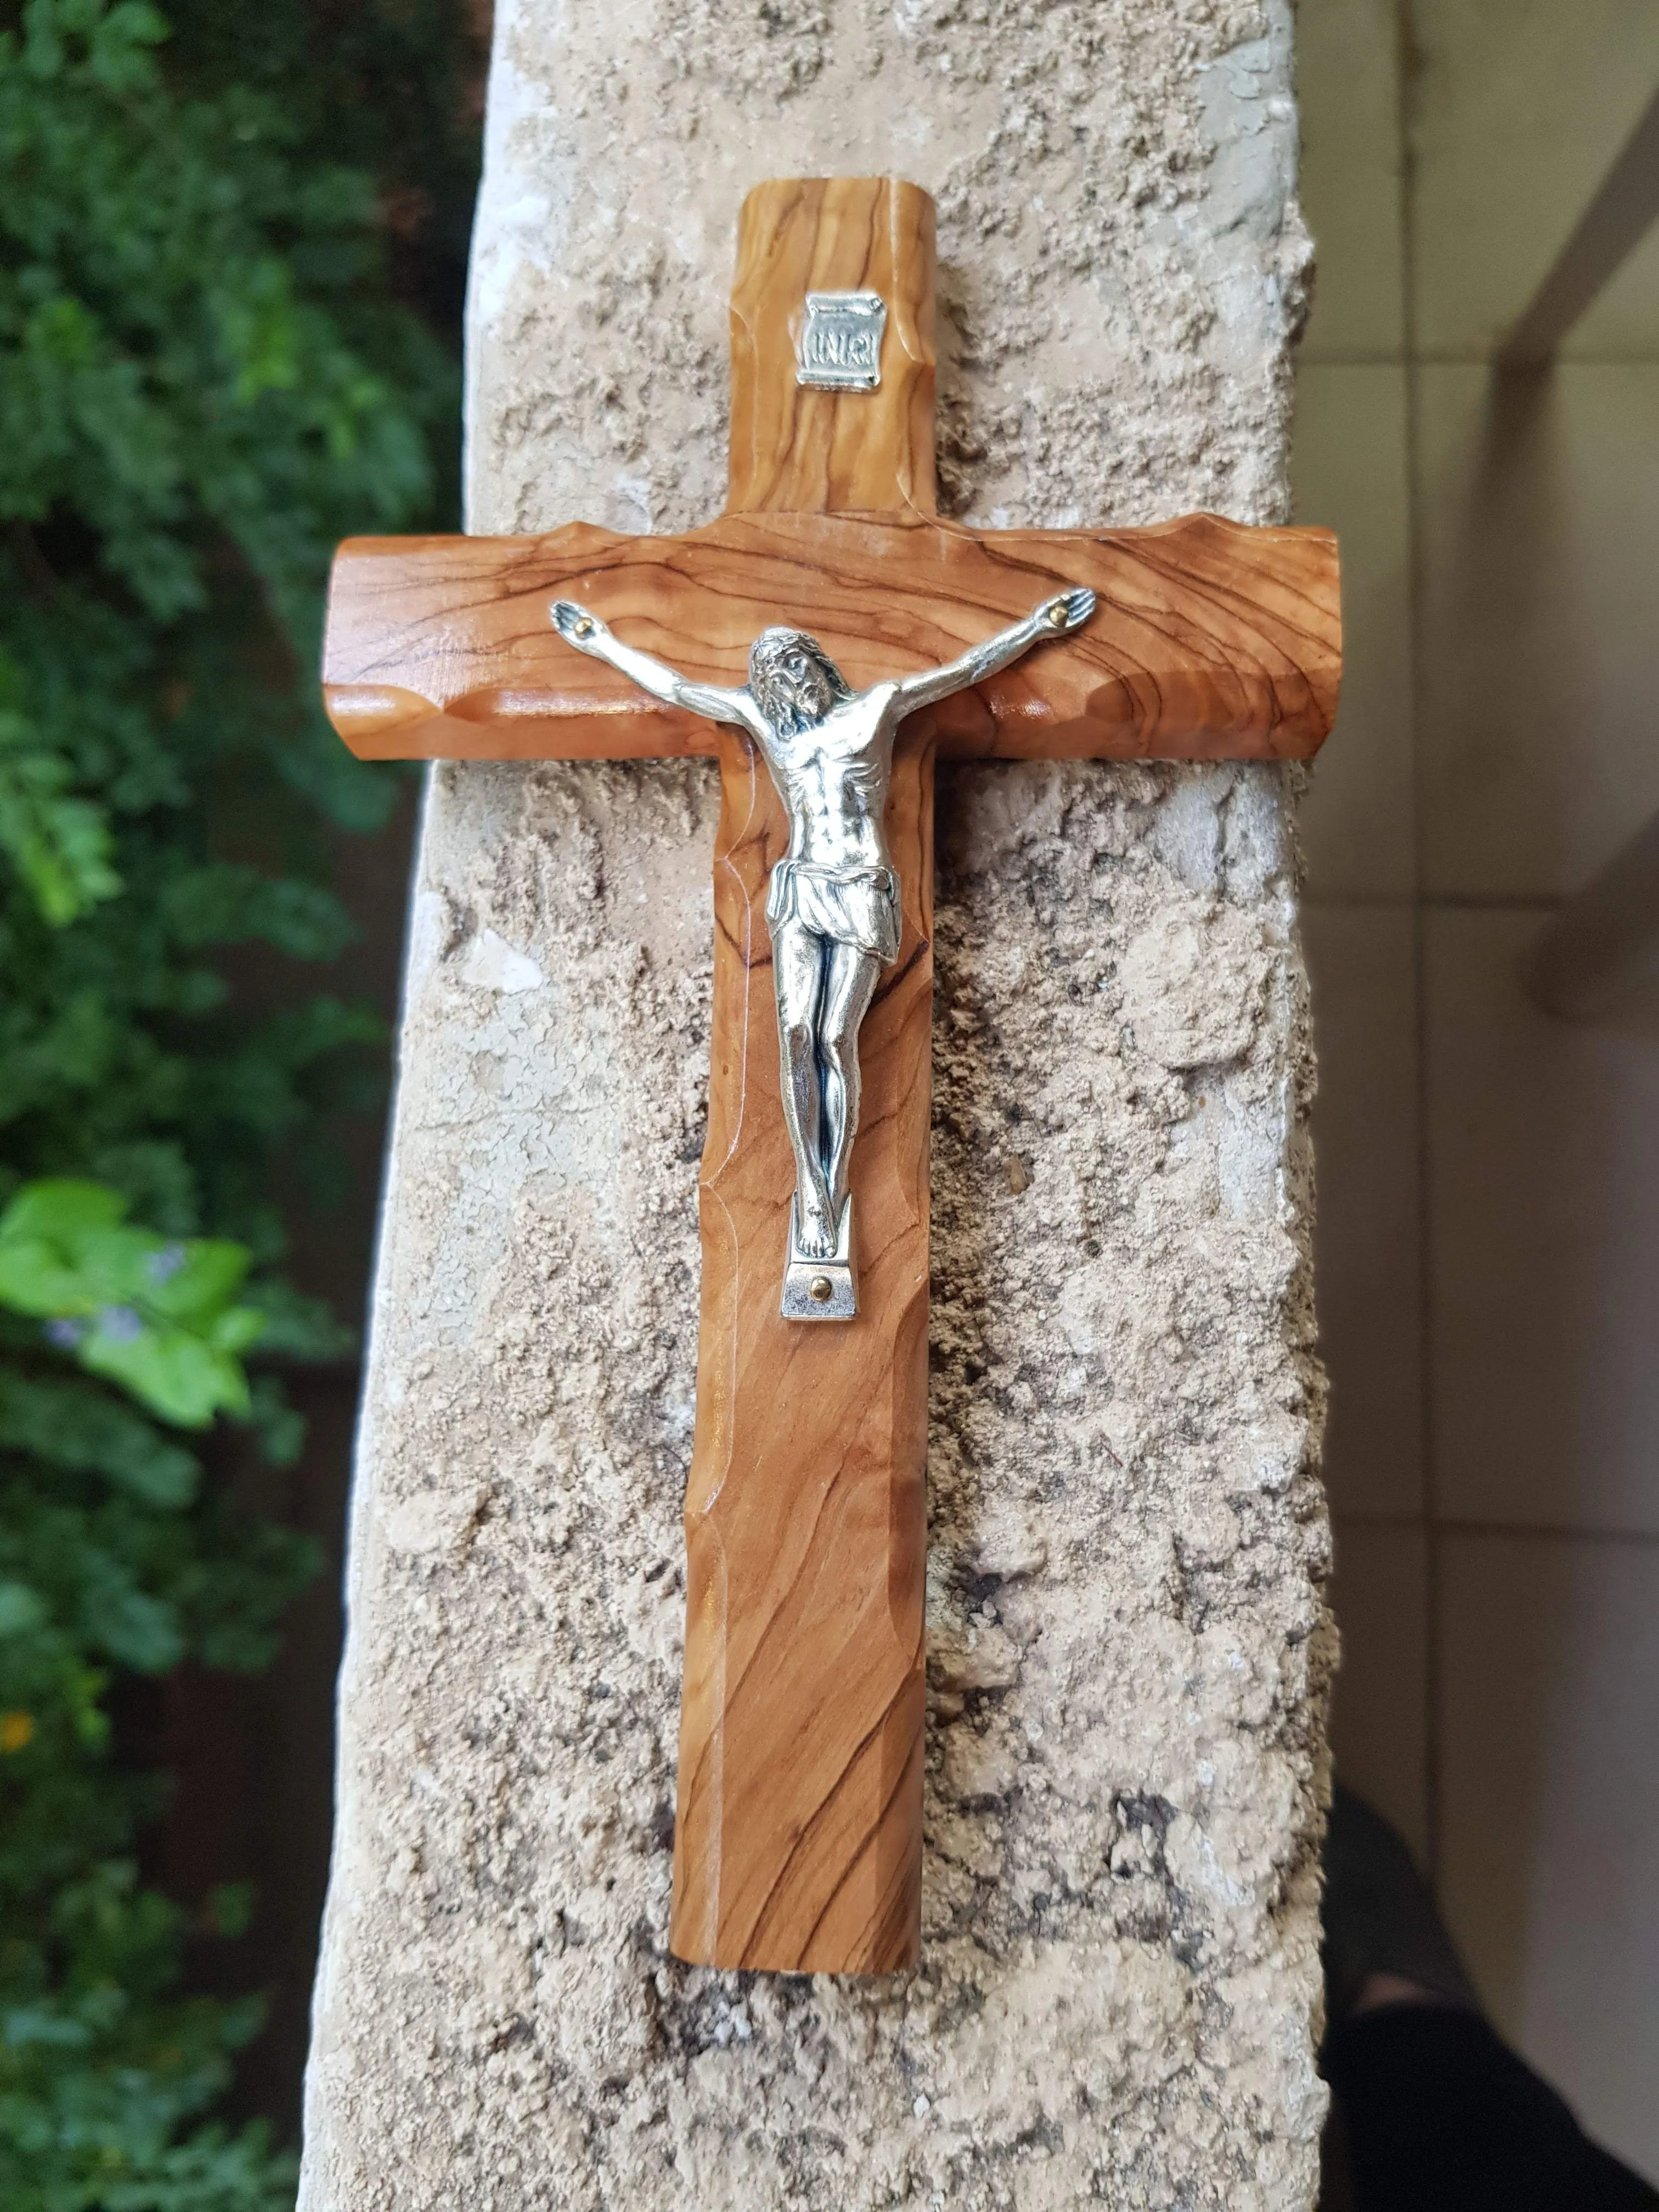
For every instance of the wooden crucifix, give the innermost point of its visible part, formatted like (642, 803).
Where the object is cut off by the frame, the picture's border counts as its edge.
(797, 1840)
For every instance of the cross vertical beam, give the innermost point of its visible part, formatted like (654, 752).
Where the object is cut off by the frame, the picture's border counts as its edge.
(797, 1839)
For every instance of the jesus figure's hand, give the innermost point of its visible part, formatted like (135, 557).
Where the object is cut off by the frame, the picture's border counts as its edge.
(1068, 611)
(576, 626)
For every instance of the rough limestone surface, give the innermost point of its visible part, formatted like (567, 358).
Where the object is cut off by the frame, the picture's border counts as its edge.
(1129, 1647)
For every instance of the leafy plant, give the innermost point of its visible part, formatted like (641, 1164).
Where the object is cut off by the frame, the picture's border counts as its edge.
(59, 845)
(113, 1557)
(152, 1312)
(221, 349)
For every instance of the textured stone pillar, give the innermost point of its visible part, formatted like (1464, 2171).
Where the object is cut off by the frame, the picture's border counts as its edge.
(1129, 1651)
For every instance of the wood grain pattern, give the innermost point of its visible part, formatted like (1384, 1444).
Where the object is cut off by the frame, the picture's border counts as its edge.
(797, 450)
(1211, 640)
(797, 1843)
(797, 1839)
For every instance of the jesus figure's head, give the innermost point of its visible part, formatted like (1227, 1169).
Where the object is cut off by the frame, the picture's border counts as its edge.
(793, 681)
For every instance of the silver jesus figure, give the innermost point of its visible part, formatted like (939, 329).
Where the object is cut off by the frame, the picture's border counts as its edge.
(833, 901)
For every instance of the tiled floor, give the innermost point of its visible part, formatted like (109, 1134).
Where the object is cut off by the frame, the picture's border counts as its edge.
(1489, 1179)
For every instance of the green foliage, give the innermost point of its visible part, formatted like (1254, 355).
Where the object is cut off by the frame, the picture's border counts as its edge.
(154, 1313)
(106, 2067)
(114, 1554)
(57, 844)
(217, 356)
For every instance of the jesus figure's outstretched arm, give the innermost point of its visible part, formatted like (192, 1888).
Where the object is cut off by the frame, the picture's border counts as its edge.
(1064, 610)
(589, 634)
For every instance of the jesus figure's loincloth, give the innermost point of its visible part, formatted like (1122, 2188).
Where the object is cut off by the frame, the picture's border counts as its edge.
(859, 907)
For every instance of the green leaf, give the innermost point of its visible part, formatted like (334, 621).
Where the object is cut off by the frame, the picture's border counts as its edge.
(22, 1609)
(35, 1278)
(60, 844)
(299, 1326)
(112, 1264)
(280, 1428)
(191, 1280)
(237, 1327)
(74, 1426)
(62, 1210)
(134, 1628)
(149, 1312)
(39, 2026)
(178, 1376)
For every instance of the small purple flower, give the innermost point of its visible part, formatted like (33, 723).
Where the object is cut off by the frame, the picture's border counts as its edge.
(162, 1267)
(120, 1324)
(65, 1334)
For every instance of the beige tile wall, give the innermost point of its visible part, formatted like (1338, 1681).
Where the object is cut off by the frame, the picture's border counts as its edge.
(1537, 518)
(1368, 1245)
(1543, 1235)
(1349, 455)
(1488, 1245)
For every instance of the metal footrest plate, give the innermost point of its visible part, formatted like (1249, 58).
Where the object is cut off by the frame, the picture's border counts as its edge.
(821, 1290)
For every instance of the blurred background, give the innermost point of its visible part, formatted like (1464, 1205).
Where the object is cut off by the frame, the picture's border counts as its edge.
(231, 261)
(1488, 1240)
(232, 247)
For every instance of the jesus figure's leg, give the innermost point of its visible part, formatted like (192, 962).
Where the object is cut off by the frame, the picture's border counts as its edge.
(849, 989)
(798, 979)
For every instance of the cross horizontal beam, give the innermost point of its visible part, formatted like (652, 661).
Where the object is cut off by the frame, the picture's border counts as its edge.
(1211, 640)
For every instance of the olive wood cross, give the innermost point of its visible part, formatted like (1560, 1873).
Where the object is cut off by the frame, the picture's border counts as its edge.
(798, 1841)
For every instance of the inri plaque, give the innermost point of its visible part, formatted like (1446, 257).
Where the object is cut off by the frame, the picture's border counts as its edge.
(841, 340)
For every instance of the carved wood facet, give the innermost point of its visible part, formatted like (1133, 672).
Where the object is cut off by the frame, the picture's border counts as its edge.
(798, 1841)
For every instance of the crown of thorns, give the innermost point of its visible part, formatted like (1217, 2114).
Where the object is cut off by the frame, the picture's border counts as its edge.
(766, 669)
